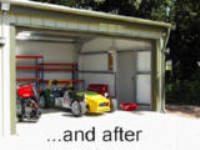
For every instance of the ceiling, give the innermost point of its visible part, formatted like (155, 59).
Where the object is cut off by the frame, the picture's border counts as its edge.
(52, 36)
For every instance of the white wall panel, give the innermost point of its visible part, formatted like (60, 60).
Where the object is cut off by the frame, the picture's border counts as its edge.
(105, 44)
(98, 44)
(92, 78)
(144, 61)
(143, 89)
(52, 52)
(96, 63)
(93, 62)
(129, 44)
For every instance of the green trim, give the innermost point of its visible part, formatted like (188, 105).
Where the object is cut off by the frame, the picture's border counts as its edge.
(65, 9)
(12, 80)
(77, 24)
(163, 71)
(154, 77)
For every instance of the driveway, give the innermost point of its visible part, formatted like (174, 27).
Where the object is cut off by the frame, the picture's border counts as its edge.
(184, 110)
(158, 131)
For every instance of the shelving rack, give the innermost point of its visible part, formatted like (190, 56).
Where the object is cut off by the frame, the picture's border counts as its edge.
(39, 73)
(40, 68)
(71, 67)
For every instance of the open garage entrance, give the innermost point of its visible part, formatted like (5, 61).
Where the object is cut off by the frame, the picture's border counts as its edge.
(121, 63)
(41, 42)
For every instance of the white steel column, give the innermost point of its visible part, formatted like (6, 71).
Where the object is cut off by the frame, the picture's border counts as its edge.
(7, 94)
(1, 95)
(6, 81)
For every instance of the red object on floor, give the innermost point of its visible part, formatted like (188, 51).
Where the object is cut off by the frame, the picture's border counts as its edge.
(129, 106)
(99, 88)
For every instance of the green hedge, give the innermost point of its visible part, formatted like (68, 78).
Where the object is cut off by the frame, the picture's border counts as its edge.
(183, 92)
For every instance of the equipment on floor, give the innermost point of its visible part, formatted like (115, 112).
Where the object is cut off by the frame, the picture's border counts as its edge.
(129, 106)
(27, 103)
(79, 102)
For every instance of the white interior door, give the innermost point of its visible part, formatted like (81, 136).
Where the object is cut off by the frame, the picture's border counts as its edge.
(125, 77)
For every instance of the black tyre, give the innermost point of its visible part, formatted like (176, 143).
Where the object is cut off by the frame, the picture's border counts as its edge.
(42, 101)
(78, 108)
(19, 118)
(33, 114)
(113, 105)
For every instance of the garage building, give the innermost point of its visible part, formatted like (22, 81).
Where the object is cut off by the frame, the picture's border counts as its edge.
(126, 53)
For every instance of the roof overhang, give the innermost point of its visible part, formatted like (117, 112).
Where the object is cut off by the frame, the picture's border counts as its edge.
(88, 13)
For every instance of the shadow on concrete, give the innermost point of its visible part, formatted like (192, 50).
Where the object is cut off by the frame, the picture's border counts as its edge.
(28, 121)
(94, 114)
(54, 110)
(87, 114)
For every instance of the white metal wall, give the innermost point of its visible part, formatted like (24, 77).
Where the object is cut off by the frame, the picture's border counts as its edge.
(99, 63)
(94, 62)
(93, 66)
(143, 77)
(52, 52)
(105, 44)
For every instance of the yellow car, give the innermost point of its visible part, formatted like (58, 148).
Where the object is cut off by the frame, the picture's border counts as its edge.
(90, 102)
(95, 102)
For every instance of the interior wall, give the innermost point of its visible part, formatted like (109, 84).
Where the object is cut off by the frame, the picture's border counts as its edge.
(93, 67)
(94, 62)
(99, 62)
(106, 44)
(53, 53)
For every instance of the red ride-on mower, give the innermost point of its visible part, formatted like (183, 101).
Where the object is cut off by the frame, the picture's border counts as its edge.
(27, 103)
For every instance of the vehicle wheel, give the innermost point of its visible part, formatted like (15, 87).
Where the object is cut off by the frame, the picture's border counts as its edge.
(113, 105)
(42, 101)
(19, 118)
(33, 113)
(78, 108)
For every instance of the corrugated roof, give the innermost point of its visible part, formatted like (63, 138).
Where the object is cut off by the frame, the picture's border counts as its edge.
(81, 12)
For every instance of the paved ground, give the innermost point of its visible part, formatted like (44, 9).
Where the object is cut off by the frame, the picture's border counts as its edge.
(184, 110)
(159, 131)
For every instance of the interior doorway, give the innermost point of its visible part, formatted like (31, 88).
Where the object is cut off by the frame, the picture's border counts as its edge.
(126, 77)
(134, 78)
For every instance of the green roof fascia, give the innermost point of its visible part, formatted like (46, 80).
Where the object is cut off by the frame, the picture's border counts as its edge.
(80, 12)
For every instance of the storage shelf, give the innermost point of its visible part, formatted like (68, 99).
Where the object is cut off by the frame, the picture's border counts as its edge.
(37, 69)
(29, 68)
(28, 79)
(46, 81)
(41, 67)
(74, 81)
(59, 64)
(59, 69)
(28, 57)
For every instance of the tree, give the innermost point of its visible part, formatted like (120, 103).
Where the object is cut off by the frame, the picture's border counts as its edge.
(150, 9)
(184, 41)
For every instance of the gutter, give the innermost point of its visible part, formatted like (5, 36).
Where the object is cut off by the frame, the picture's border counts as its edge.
(161, 69)
(89, 13)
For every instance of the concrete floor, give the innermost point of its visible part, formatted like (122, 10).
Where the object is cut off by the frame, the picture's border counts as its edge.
(159, 131)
